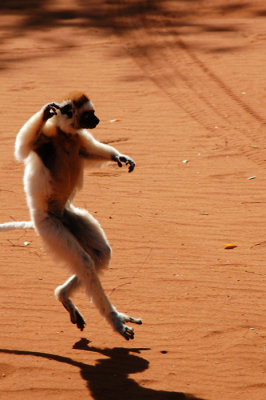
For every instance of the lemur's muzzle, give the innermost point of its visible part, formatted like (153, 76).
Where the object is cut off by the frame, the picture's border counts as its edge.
(88, 120)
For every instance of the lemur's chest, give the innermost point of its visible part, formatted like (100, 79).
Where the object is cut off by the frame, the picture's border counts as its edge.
(61, 155)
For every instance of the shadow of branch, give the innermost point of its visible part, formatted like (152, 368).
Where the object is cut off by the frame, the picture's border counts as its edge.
(116, 16)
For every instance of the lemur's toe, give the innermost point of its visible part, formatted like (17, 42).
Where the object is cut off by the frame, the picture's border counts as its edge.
(77, 319)
(80, 322)
(135, 320)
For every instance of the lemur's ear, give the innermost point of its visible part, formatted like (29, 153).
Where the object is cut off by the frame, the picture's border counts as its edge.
(67, 110)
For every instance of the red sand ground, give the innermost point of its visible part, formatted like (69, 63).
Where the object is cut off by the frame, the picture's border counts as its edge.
(187, 80)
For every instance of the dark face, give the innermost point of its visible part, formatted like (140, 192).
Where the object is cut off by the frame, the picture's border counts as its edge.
(88, 119)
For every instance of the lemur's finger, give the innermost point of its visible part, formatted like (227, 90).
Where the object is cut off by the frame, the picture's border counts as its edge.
(131, 167)
(55, 105)
(52, 112)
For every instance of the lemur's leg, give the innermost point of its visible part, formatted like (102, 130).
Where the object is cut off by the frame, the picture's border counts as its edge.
(65, 245)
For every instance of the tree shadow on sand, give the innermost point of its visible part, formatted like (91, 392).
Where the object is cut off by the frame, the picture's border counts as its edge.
(108, 379)
(110, 14)
(117, 16)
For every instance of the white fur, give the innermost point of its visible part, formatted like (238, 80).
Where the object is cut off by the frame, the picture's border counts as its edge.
(8, 226)
(37, 183)
(26, 136)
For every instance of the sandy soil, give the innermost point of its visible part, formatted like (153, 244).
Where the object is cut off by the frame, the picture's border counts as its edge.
(186, 81)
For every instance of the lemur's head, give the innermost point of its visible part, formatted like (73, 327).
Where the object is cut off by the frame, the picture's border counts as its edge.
(77, 112)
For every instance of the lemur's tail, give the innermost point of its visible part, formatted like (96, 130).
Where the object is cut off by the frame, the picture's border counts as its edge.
(16, 225)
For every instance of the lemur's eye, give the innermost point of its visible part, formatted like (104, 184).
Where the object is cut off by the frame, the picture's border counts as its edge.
(87, 114)
(67, 110)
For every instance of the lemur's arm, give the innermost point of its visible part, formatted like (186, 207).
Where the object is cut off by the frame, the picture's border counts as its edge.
(31, 129)
(93, 149)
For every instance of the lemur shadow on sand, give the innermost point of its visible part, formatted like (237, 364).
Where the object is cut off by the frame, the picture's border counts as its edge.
(108, 379)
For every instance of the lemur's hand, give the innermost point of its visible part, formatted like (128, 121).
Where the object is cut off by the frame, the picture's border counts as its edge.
(121, 158)
(50, 110)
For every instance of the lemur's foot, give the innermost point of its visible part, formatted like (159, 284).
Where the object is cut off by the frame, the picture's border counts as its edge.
(75, 316)
(118, 322)
(80, 322)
